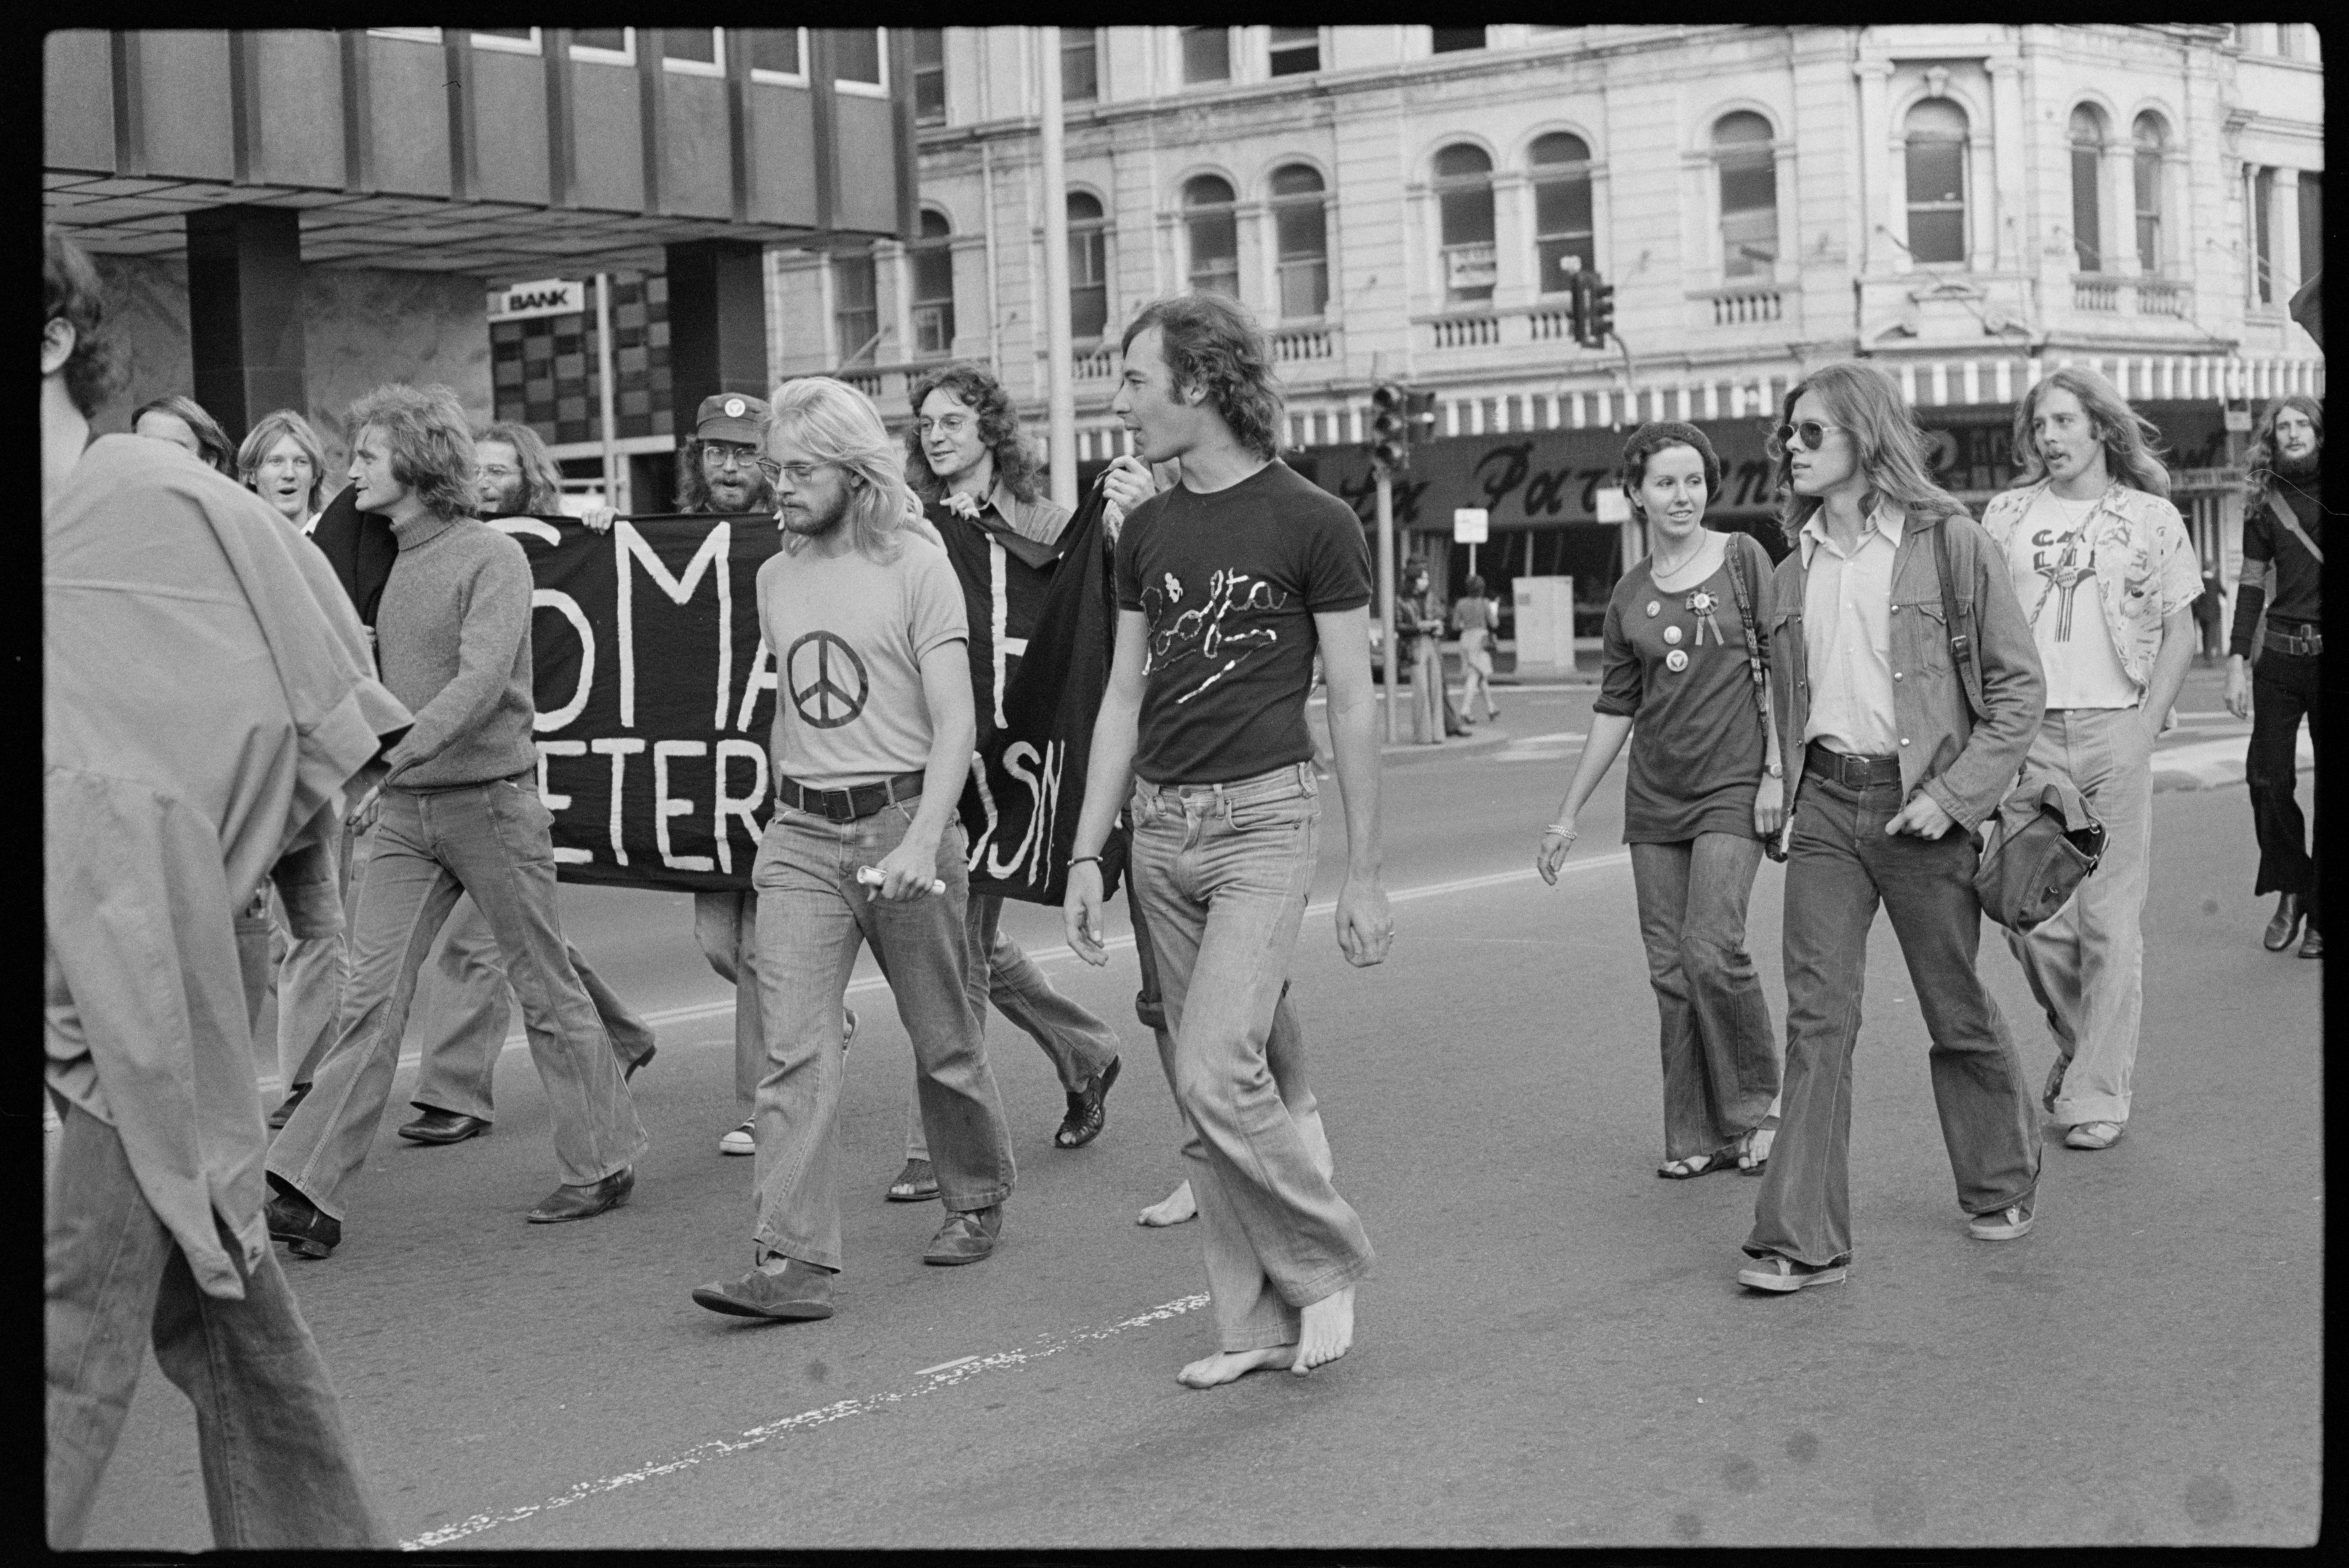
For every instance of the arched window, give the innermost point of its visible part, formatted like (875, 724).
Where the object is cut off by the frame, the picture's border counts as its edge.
(1937, 182)
(1213, 235)
(1748, 170)
(855, 306)
(1088, 266)
(1463, 202)
(1561, 166)
(2087, 184)
(930, 260)
(2152, 140)
(1301, 242)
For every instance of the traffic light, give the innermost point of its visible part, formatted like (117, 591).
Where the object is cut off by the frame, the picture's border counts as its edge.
(1419, 415)
(1577, 304)
(1598, 314)
(1390, 428)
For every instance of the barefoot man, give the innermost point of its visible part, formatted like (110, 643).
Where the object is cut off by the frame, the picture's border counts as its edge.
(1226, 584)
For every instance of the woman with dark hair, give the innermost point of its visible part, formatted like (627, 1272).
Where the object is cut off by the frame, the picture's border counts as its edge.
(1684, 659)
(1475, 620)
(182, 422)
(2284, 577)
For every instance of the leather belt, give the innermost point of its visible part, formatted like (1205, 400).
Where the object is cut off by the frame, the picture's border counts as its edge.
(2306, 642)
(1852, 772)
(848, 805)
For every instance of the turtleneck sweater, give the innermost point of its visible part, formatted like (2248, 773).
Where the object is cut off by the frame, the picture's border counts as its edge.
(452, 633)
(2290, 581)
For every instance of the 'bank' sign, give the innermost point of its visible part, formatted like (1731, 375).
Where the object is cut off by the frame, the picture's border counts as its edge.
(548, 296)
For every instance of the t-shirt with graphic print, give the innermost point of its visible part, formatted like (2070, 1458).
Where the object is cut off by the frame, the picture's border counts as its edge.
(1229, 582)
(2051, 559)
(847, 634)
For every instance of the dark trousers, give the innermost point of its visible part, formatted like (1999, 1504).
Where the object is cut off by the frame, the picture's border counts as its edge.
(2284, 691)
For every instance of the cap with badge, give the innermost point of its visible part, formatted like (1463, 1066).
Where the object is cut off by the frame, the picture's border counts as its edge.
(730, 416)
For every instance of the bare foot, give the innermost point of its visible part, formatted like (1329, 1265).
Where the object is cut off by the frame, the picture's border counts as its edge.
(1173, 1210)
(1326, 1331)
(1227, 1364)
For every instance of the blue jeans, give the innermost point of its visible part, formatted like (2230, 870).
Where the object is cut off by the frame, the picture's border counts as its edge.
(1721, 1067)
(1222, 871)
(812, 917)
(310, 981)
(277, 1463)
(726, 925)
(493, 842)
(1840, 863)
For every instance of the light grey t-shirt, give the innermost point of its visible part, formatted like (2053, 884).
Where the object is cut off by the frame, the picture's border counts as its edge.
(848, 634)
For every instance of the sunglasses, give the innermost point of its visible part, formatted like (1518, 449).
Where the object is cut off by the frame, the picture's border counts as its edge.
(1812, 433)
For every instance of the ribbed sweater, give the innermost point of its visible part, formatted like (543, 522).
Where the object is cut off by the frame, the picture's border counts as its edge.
(452, 633)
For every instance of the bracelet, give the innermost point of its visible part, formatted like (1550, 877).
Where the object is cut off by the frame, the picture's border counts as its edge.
(1569, 834)
(1076, 861)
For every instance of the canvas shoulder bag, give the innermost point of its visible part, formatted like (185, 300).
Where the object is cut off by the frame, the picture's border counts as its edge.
(1757, 666)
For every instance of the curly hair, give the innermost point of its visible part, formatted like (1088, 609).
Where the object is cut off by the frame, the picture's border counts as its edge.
(2129, 438)
(542, 481)
(217, 449)
(430, 442)
(1213, 344)
(267, 431)
(71, 293)
(1652, 438)
(999, 431)
(837, 424)
(2259, 460)
(693, 489)
(1863, 400)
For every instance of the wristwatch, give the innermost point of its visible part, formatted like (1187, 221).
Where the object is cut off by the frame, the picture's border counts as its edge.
(1774, 770)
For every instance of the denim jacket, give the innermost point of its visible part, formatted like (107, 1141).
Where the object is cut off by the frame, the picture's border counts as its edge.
(2159, 573)
(1966, 765)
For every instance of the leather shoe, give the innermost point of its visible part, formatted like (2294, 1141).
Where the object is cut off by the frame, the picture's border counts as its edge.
(643, 1061)
(308, 1231)
(584, 1202)
(800, 1292)
(968, 1236)
(1086, 1116)
(443, 1126)
(284, 1112)
(2285, 925)
(2312, 943)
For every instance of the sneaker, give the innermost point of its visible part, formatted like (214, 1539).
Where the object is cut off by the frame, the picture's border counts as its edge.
(2007, 1224)
(798, 1291)
(743, 1139)
(1780, 1273)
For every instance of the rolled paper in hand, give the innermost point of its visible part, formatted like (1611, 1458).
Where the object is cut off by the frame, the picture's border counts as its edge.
(871, 877)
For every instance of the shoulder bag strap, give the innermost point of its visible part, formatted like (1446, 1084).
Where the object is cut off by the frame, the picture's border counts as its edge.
(1961, 643)
(1753, 663)
(2289, 520)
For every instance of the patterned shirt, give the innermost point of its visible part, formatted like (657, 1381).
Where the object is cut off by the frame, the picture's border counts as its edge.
(2146, 566)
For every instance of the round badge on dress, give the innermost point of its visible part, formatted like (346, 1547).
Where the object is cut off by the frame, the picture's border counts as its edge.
(1653, 607)
(1676, 660)
(1671, 633)
(734, 406)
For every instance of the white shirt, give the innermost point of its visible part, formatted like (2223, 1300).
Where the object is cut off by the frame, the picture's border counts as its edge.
(1847, 634)
(2056, 562)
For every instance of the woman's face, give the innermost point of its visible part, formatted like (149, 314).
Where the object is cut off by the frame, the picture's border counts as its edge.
(285, 477)
(158, 426)
(1672, 490)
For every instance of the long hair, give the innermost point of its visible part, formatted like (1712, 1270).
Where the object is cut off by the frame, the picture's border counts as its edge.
(1211, 343)
(2259, 461)
(71, 293)
(832, 422)
(267, 431)
(218, 450)
(693, 489)
(999, 431)
(430, 442)
(542, 481)
(1863, 400)
(2129, 437)
(1652, 438)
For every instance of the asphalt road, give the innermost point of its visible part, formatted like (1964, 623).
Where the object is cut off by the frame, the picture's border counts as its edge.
(1553, 1349)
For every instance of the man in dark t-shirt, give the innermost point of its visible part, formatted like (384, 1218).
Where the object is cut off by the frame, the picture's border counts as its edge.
(1226, 587)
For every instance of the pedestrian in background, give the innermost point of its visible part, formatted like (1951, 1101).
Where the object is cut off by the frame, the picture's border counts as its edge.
(2283, 578)
(184, 423)
(2209, 609)
(1891, 772)
(283, 461)
(1679, 679)
(1419, 630)
(1474, 619)
(2103, 562)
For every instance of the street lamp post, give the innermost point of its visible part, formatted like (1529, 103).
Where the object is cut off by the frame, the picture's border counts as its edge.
(1060, 401)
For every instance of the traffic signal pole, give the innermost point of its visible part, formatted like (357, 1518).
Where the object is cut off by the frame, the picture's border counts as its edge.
(1387, 593)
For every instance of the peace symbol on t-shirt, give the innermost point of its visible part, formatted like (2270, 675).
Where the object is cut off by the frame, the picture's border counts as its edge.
(816, 675)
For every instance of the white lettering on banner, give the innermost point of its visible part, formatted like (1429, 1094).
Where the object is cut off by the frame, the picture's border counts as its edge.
(565, 605)
(665, 806)
(554, 802)
(716, 549)
(745, 807)
(987, 806)
(763, 677)
(999, 617)
(1027, 861)
(619, 749)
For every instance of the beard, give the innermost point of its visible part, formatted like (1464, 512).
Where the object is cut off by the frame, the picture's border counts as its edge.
(813, 524)
(508, 501)
(2302, 468)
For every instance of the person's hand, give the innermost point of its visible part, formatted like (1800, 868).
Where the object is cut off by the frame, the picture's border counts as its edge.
(598, 519)
(2239, 688)
(1081, 912)
(1365, 925)
(1127, 484)
(907, 871)
(1769, 806)
(1557, 843)
(1922, 818)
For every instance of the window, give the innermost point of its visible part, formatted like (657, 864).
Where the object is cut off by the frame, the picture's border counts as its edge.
(512, 40)
(2087, 181)
(1207, 55)
(1080, 64)
(2312, 224)
(1451, 40)
(1463, 207)
(1296, 50)
(1561, 166)
(1213, 236)
(1088, 267)
(930, 75)
(856, 60)
(1300, 243)
(855, 308)
(2263, 289)
(699, 51)
(609, 46)
(2152, 139)
(1935, 160)
(931, 261)
(412, 34)
(776, 53)
(1749, 195)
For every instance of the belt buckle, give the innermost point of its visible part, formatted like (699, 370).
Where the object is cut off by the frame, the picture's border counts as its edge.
(840, 805)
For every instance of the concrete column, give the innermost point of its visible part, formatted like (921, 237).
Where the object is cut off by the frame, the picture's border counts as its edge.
(716, 323)
(244, 313)
(2009, 164)
(2283, 235)
(1876, 193)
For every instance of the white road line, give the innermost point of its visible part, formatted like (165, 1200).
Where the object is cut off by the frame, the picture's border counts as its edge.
(946, 1376)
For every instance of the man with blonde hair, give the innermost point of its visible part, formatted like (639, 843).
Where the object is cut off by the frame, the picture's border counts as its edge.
(872, 741)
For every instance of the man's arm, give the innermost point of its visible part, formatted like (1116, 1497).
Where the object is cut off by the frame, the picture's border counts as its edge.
(1365, 928)
(2013, 690)
(495, 617)
(907, 871)
(1109, 771)
(2179, 637)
